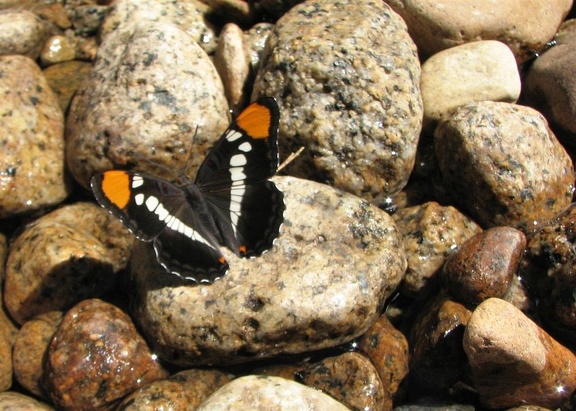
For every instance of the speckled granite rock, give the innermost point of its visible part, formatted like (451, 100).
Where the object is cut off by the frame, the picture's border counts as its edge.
(550, 84)
(30, 350)
(189, 16)
(484, 265)
(255, 41)
(347, 78)
(96, 358)
(337, 258)
(437, 361)
(153, 95)
(259, 393)
(65, 79)
(431, 233)
(387, 349)
(524, 25)
(7, 326)
(349, 378)
(32, 124)
(63, 257)
(182, 391)
(476, 71)
(21, 32)
(10, 401)
(502, 162)
(513, 361)
(6, 368)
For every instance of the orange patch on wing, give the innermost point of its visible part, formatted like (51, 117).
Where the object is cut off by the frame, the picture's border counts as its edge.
(116, 187)
(255, 120)
(242, 249)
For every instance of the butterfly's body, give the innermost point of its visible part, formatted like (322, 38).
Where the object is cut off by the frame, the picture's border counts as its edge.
(230, 203)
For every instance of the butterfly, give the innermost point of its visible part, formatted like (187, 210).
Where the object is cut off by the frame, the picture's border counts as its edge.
(231, 202)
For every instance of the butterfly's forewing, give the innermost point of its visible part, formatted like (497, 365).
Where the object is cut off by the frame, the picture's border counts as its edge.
(248, 208)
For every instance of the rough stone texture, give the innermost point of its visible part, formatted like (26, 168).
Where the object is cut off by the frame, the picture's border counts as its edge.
(5, 362)
(10, 401)
(30, 348)
(189, 16)
(431, 233)
(349, 378)
(260, 393)
(232, 61)
(550, 84)
(63, 257)
(153, 96)
(21, 32)
(484, 265)
(337, 258)
(513, 361)
(524, 25)
(182, 391)
(65, 79)
(32, 124)
(437, 361)
(255, 41)
(503, 163)
(7, 326)
(96, 358)
(387, 348)
(477, 71)
(347, 78)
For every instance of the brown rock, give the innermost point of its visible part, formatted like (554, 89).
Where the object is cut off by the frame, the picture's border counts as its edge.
(7, 325)
(350, 378)
(57, 49)
(513, 361)
(182, 391)
(21, 32)
(387, 349)
(484, 265)
(431, 233)
(5, 362)
(502, 162)
(30, 348)
(65, 79)
(96, 358)
(10, 401)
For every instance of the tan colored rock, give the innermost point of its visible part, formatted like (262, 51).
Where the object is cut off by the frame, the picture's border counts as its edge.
(21, 32)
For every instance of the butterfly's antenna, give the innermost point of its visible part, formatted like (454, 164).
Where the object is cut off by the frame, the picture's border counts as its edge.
(184, 172)
(290, 158)
(154, 163)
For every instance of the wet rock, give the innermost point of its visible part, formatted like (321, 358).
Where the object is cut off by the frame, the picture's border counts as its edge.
(63, 257)
(347, 77)
(15, 401)
(189, 16)
(96, 358)
(484, 265)
(550, 84)
(7, 326)
(258, 392)
(57, 49)
(431, 233)
(30, 350)
(32, 158)
(349, 378)
(65, 79)
(255, 40)
(387, 349)
(523, 25)
(503, 163)
(337, 258)
(184, 390)
(163, 98)
(477, 71)
(437, 361)
(21, 32)
(513, 361)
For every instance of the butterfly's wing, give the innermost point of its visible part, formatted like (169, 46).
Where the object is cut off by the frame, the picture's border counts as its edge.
(234, 180)
(155, 210)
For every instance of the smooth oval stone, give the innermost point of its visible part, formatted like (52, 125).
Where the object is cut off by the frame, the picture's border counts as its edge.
(335, 262)
(21, 32)
(11, 400)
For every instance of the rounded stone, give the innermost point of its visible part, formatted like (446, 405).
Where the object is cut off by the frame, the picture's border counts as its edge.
(57, 49)
(153, 101)
(477, 71)
(32, 158)
(96, 358)
(347, 77)
(6, 368)
(11, 400)
(21, 32)
(503, 164)
(336, 260)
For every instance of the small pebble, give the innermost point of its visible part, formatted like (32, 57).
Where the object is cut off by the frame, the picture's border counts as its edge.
(57, 49)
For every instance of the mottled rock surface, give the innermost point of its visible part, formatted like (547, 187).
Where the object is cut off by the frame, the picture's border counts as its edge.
(22, 33)
(16, 401)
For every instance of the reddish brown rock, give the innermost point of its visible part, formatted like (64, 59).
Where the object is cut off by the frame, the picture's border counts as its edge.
(350, 378)
(513, 361)
(30, 348)
(387, 348)
(96, 358)
(484, 265)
